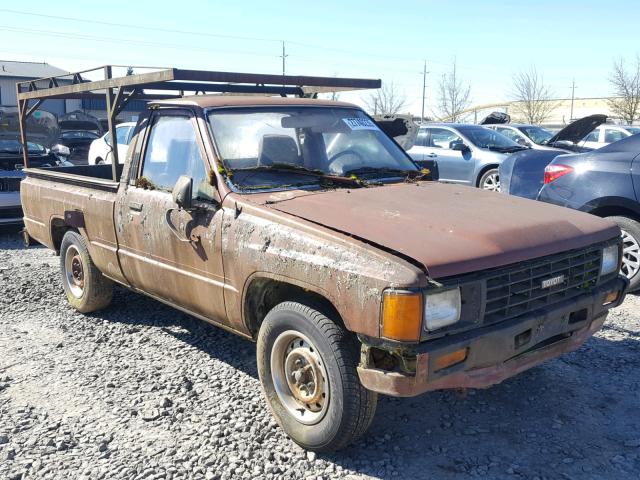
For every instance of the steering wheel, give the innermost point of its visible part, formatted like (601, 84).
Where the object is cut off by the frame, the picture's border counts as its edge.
(348, 151)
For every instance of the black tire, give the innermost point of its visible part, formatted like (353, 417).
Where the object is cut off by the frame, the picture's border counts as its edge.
(631, 228)
(350, 407)
(492, 172)
(99, 161)
(86, 288)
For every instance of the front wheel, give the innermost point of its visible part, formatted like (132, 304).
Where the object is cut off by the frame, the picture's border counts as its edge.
(490, 180)
(307, 367)
(630, 267)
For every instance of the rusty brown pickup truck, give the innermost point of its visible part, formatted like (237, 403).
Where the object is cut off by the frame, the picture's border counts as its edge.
(299, 224)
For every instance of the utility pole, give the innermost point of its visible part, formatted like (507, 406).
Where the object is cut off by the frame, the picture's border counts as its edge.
(424, 89)
(283, 56)
(573, 90)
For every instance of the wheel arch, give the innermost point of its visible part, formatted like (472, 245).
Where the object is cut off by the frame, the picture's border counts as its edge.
(613, 206)
(484, 170)
(264, 291)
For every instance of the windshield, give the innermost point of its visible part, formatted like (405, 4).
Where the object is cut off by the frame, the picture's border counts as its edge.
(483, 137)
(271, 147)
(14, 146)
(538, 134)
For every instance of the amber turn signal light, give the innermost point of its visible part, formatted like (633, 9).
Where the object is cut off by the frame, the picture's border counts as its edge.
(610, 298)
(401, 315)
(449, 359)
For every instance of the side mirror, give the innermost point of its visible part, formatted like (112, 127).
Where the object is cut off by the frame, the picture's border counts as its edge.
(182, 192)
(458, 146)
(523, 142)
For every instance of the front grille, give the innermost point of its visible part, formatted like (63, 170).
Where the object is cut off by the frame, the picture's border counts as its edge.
(10, 184)
(517, 290)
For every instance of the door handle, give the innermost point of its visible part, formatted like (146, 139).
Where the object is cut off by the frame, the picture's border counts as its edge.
(135, 206)
(431, 155)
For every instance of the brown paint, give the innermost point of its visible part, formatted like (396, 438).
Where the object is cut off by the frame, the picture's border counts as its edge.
(346, 246)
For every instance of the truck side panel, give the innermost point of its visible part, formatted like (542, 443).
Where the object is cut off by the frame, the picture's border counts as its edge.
(45, 201)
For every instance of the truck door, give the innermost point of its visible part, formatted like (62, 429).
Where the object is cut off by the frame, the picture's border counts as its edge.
(166, 252)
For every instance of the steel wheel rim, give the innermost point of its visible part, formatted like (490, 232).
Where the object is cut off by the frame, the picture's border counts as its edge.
(74, 271)
(492, 182)
(630, 255)
(299, 377)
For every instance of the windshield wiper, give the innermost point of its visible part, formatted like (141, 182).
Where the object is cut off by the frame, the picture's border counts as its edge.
(397, 171)
(288, 168)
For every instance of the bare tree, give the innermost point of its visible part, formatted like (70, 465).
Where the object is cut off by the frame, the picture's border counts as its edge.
(386, 100)
(129, 71)
(454, 96)
(626, 88)
(534, 99)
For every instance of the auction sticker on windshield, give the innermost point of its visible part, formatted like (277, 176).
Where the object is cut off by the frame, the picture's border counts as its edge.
(360, 124)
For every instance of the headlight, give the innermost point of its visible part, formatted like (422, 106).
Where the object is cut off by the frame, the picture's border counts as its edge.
(609, 259)
(441, 309)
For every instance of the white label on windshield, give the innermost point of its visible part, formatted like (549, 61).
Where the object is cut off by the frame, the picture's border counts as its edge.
(360, 124)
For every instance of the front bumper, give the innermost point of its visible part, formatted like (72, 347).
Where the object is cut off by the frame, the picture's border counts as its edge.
(497, 352)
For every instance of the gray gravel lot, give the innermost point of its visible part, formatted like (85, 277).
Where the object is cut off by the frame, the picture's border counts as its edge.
(143, 391)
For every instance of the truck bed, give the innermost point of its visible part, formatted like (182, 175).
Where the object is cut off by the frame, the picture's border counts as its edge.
(83, 197)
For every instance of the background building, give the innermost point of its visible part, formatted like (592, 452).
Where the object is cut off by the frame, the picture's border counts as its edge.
(12, 72)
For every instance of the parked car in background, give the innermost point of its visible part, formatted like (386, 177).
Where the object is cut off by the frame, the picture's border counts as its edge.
(606, 183)
(42, 127)
(77, 131)
(466, 154)
(100, 149)
(606, 134)
(524, 134)
(522, 174)
(11, 174)
(78, 142)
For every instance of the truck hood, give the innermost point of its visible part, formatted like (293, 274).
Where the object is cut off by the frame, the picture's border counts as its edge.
(447, 229)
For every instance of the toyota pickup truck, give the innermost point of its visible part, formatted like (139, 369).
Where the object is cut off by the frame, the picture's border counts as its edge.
(299, 224)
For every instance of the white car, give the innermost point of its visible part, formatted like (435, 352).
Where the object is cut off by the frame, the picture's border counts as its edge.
(606, 134)
(100, 149)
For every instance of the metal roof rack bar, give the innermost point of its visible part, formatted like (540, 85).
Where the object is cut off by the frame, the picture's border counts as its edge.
(118, 91)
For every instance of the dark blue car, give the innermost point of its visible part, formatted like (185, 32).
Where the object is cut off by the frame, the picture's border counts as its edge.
(603, 182)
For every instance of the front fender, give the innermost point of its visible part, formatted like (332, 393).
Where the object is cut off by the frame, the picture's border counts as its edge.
(348, 273)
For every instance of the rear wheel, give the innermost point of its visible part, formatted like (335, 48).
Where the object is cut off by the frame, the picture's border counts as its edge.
(630, 249)
(86, 288)
(307, 365)
(490, 180)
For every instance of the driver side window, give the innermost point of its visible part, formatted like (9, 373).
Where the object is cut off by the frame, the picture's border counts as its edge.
(443, 138)
(173, 150)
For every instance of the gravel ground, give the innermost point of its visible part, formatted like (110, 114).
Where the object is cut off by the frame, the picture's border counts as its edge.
(143, 391)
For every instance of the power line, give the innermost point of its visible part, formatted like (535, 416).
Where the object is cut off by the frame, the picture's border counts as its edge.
(217, 35)
(137, 27)
(144, 43)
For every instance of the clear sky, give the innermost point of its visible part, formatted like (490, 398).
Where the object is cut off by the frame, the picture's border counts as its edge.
(491, 40)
